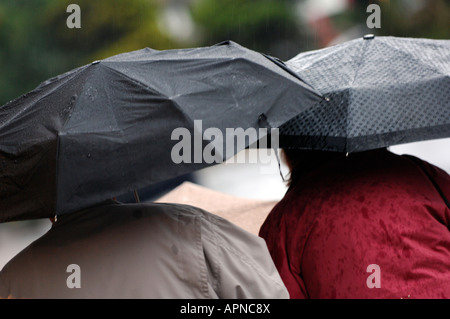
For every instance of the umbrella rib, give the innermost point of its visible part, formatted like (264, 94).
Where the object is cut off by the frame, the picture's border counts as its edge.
(290, 71)
(46, 94)
(109, 104)
(413, 58)
(135, 81)
(144, 86)
(75, 106)
(359, 63)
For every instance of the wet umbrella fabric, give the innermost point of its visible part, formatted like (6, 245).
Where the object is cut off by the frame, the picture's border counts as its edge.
(379, 91)
(105, 129)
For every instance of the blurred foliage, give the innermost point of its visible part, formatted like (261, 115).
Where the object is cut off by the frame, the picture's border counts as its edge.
(22, 47)
(35, 43)
(108, 27)
(402, 18)
(432, 20)
(268, 26)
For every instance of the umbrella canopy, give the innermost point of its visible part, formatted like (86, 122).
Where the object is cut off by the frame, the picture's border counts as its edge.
(379, 91)
(106, 128)
(247, 213)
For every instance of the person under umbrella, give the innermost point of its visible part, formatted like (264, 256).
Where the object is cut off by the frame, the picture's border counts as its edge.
(108, 128)
(358, 221)
(143, 250)
(370, 225)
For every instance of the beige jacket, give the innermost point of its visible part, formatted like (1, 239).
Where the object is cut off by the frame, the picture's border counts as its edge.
(143, 251)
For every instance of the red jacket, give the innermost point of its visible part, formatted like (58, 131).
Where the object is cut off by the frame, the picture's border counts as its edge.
(371, 226)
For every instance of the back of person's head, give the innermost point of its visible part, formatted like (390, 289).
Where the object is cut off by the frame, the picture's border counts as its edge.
(300, 161)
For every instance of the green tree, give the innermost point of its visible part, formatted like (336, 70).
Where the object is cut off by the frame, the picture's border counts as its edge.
(268, 26)
(402, 18)
(22, 48)
(108, 27)
(431, 19)
(36, 43)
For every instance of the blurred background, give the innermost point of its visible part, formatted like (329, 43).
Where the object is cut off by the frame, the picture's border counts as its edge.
(36, 44)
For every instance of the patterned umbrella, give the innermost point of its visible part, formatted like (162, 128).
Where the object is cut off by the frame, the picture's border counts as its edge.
(379, 91)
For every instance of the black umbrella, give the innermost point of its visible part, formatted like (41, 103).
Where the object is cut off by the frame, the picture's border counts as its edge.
(379, 91)
(106, 128)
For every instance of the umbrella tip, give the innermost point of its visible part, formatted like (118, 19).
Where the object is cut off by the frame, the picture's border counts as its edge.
(369, 37)
(262, 120)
